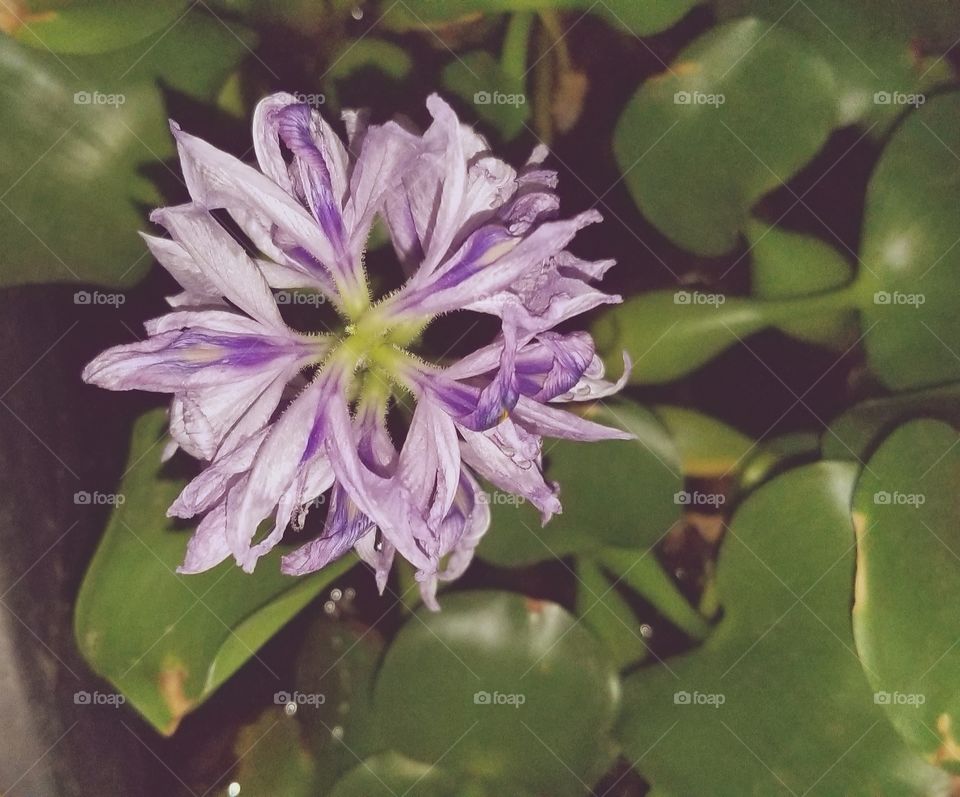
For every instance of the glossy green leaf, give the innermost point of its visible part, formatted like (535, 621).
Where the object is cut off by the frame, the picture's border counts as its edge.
(167, 641)
(94, 26)
(775, 702)
(870, 45)
(852, 434)
(785, 265)
(736, 114)
(618, 492)
(905, 621)
(500, 687)
(910, 273)
(496, 96)
(382, 55)
(671, 333)
(79, 131)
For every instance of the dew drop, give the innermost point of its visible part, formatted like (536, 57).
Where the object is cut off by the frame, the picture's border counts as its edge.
(335, 594)
(378, 541)
(357, 13)
(290, 709)
(646, 631)
(233, 789)
(350, 593)
(337, 732)
(330, 607)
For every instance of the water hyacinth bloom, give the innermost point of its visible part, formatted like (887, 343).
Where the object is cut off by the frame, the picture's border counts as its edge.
(286, 420)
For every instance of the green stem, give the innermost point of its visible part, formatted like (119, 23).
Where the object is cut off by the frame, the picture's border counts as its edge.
(516, 44)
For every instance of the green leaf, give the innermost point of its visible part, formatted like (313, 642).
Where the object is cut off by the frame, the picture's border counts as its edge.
(775, 702)
(640, 19)
(385, 56)
(497, 97)
(871, 46)
(910, 272)
(78, 132)
(737, 114)
(785, 265)
(617, 492)
(94, 26)
(500, 687)
(852, 435)
(671, 333)
(167, 641)
(905, 622)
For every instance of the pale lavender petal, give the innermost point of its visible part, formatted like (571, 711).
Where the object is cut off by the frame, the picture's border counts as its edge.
(541, 419)
(222, 261)
(208, 546)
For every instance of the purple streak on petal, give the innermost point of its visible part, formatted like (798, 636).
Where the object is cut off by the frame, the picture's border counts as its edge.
(345, 525)
(294, 124)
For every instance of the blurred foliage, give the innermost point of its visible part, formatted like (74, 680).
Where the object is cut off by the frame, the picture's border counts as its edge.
(745, 589)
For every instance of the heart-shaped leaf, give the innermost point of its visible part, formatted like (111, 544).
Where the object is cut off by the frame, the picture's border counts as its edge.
(78, 132)
(736, 115)
(775, 702)
(500, 687)
(908, 570)
(871, 46)
(910, 259)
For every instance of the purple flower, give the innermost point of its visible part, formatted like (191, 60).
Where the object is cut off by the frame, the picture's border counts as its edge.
(287, 420)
